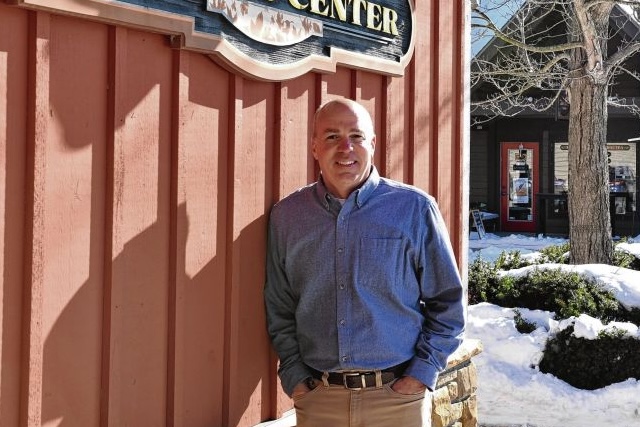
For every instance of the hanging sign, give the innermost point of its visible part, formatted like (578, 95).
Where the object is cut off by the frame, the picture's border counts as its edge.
(270, 39)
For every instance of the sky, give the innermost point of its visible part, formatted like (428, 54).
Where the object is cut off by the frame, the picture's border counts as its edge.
(513, 393)
(499, 11)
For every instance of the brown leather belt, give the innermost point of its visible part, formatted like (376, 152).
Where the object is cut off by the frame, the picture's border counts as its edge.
(362, 379)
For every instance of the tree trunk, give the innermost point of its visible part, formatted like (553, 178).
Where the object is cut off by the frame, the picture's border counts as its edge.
(589, 216)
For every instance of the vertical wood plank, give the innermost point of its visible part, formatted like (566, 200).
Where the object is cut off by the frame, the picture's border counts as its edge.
(37, 113)
(446, 73)
(338, 84)
(422, 97)
(294, 168)
(236, 86)
(140, 230)
(249, 399)
(200, 219)
(396, 130)
(116, 58)
(74, 221)
(449, 120)
(294, 130)
(13, 141)
(369, 90)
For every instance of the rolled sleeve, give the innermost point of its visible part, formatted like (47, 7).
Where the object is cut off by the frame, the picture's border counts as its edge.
(443, 310)
(280, 305)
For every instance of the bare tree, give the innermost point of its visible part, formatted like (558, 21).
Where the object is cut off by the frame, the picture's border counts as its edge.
(552, 51)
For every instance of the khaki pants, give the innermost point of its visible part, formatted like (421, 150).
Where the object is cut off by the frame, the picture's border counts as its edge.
(336, 406)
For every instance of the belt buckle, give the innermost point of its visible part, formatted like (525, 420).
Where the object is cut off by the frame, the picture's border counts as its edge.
(345, 375)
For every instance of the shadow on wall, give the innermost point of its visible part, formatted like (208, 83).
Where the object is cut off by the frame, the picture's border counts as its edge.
(143, 342)
(164, 324)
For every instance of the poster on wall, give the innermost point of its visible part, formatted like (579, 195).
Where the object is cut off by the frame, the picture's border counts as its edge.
(622, 173)
(520, 190)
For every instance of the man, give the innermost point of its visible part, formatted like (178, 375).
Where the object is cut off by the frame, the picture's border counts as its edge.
(363, 296)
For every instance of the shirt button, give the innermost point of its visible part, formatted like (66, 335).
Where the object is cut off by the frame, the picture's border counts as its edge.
(339, 250)
(341, 285)
(345, 358)
(342, 322)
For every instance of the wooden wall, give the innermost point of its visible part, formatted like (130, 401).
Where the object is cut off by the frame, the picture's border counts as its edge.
(479, 154)
(135, 186)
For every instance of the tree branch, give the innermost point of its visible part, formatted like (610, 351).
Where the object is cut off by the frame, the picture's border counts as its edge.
(592, 3)
(623, 54)
(531, 66)
(517, 43)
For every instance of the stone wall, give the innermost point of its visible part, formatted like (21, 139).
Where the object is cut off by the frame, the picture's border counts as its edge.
(454, 399)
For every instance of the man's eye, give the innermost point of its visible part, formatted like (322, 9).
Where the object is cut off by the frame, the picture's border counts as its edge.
(332, 138)
(357, 138)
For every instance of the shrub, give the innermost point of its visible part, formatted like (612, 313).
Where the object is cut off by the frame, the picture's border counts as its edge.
(625, 259)
(510, 261)
(483, 278)
(591, 364)
(523, 325)
(484, 283)
(556, 254)
(624, 315)
(585, 364)
(566, 294)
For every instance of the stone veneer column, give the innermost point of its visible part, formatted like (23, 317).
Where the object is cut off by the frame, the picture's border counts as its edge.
(454, 399)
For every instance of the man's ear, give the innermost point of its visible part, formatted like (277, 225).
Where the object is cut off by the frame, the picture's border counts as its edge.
(373, 143)
(313, 148)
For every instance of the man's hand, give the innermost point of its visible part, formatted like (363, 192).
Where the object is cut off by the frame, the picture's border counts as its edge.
(301, 389)
(408, 385)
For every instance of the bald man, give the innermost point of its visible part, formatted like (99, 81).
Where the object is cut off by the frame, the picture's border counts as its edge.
(363, 295)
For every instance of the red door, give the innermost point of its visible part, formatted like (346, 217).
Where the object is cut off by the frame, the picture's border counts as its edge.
(519, 184)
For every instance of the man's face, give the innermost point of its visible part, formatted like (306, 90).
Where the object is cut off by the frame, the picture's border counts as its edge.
(343, 145)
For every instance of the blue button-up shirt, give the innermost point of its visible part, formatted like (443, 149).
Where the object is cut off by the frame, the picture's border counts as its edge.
(367, 284)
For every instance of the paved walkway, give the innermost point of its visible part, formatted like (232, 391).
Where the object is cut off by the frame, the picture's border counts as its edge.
(506, 425)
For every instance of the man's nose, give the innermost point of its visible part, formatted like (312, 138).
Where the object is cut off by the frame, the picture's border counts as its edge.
(345, 144)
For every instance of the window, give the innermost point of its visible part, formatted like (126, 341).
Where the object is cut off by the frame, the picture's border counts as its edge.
(622, 175)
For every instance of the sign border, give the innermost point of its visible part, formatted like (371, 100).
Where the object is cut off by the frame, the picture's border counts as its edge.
(182, 35)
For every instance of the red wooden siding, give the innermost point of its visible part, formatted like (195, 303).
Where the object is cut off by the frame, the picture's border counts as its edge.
(135, 186)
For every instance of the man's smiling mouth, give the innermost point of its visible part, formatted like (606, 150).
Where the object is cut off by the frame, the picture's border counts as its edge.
(346, 163)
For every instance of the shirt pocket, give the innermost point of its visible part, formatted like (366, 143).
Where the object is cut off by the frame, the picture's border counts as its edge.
(381, 263)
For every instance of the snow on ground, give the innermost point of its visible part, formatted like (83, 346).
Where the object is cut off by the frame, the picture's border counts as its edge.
(511, 390)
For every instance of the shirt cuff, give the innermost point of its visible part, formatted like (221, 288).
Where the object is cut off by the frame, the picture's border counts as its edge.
(426, 373)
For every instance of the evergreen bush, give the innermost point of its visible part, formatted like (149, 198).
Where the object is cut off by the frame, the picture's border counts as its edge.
(510, 261)
(555, 254)
(591, 364)
(583, 363)
(624, 259)
(483, 279)
(566, 294)
(523, 325)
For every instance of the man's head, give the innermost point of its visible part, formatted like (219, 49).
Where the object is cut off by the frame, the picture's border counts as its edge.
(343, 144)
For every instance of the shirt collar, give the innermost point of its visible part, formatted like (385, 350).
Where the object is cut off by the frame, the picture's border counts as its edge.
(361, 194)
